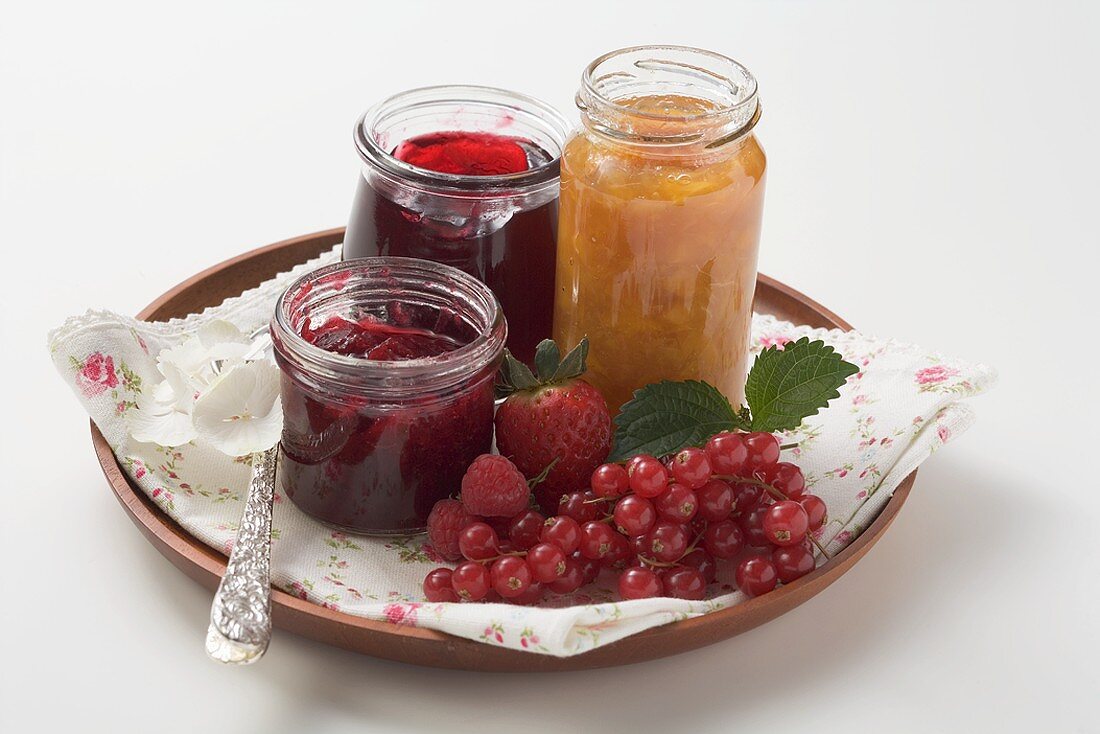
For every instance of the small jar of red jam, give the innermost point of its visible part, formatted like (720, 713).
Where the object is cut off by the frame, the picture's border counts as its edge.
(468, 177)
(388, 367)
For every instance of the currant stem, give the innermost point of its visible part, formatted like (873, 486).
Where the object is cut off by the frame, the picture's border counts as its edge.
(788, 446)
(778, 495)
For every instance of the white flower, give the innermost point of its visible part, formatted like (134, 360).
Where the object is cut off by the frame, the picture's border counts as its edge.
(190, 368)
(160, 418)
(242, 412)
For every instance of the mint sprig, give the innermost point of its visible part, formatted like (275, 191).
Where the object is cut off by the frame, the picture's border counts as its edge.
(788, 385)
(784, 386)
(664, 417)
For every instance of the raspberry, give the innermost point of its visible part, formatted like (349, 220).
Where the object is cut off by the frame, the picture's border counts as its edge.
(445, 522)
(494, 487)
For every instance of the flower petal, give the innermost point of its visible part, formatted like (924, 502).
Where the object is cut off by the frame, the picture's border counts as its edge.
(241, 413)
(220, 331)
(156, 422)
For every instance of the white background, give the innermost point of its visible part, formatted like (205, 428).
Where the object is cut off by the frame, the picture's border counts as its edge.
(933, 176)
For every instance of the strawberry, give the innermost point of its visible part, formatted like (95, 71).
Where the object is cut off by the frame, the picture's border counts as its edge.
(551, 418)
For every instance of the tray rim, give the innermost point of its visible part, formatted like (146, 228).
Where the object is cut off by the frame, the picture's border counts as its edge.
(422, 646)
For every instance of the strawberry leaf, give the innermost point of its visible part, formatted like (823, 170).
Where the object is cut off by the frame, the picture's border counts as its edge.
(547, 358)
(514, 376)
(574, 364)
(787, 385)
(664, 417)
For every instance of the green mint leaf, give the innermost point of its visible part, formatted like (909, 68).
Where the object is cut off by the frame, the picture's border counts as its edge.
(547, 358)
(665, 417)
(574, 363)
(787, 385)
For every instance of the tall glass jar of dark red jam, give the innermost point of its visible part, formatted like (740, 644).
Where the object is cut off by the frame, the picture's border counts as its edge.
(466, 176)
(387, 366)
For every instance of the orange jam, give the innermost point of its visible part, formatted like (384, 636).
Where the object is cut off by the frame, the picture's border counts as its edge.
(657, 246)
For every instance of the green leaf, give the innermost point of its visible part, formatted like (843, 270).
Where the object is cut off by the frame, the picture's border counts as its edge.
(574, 363)
(787, 385)
(665, 417)
(547, 358)
(514, 376)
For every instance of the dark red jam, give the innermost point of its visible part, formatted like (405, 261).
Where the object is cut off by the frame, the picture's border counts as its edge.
(367, 463)
(466, 153)
(512, 250)
(369, 338)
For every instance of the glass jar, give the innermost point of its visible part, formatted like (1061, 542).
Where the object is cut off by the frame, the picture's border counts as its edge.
(662, 192)
(499, 227)
(370, 444)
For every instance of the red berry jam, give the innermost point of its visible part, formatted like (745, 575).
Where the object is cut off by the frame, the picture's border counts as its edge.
(468, 153)
(483, 202)
(369, 338)
(388, 369)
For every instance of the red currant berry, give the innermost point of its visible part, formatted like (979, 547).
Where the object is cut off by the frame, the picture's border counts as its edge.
(571, 580)
(547, 562)
(793, 562)
(786, 523)
(471, 581)
(639, 545)
(634, 515)
(678, 503)
(756, 575)
(752, 526)
(667, 541)
(685, 583)
(478, 542)
(531, 595)
(502, 525)
(815, 509)
(590, 567)
(562, 531)
(511, 576)
(648, 476)
(578, 506)
(746, 497)
(786, 478)
(437, 586)
(619, 553)
(763, 450)
(728, 453)
(525, 529)
(610, 480)
(597, 539)
(702, 561)
(724, 539)
(639, 583)
(715, 500)
(691, 467)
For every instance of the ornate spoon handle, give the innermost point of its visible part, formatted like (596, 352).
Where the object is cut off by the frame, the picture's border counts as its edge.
(240, 618)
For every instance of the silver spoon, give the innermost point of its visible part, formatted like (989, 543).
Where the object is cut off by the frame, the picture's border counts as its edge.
(240, 617)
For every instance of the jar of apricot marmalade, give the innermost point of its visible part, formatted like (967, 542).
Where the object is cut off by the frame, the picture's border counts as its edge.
(388, 367)
(468, 177)
(662, 192)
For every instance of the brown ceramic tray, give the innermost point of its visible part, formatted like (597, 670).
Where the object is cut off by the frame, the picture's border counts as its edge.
(429, 647)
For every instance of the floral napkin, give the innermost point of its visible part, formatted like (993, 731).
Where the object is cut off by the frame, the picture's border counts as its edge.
(904, 404)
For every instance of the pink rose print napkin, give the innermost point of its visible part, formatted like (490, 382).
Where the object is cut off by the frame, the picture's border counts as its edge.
(905, 404)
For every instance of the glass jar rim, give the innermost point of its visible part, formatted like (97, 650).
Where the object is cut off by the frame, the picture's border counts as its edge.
(742, 107)
(398, 376)
(553, 122)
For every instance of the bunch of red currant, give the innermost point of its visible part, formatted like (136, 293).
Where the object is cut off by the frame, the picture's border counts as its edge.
(662, 525)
